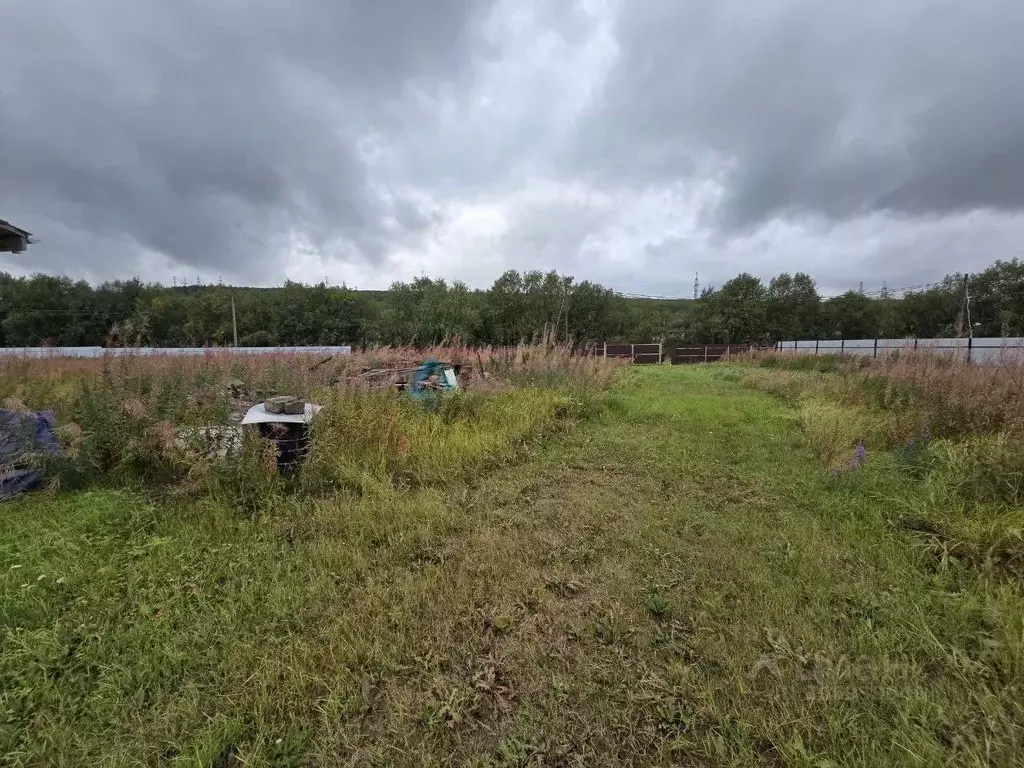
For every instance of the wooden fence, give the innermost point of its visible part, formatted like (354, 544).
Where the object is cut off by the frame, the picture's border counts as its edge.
(707, 353)
(639, 354)
(649, 354)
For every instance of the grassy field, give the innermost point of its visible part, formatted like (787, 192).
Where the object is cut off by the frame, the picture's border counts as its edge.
(698, 568)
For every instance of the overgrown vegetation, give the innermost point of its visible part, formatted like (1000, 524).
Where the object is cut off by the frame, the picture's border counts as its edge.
(954, 428)
(683, 576)
(145, 420)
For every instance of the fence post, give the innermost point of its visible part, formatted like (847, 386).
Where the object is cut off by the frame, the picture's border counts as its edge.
(970, 343)
(915, 345)
(816, 342)
(661, 358)
(876, 349)
(632, 354)
(842, 346)
(705, 353)
(605, 352)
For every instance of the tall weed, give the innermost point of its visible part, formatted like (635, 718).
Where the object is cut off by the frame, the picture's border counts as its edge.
(982, 469)
(959, 398)
(954, 427)
(835, 431)
(151, 420)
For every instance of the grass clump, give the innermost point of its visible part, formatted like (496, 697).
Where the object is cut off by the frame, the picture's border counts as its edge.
(834, 431)
(954, 430)
(369, 439)
(988, 469)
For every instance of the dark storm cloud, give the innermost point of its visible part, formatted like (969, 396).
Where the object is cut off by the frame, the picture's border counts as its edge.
(207, 130)
(380, 139)
(809, 106)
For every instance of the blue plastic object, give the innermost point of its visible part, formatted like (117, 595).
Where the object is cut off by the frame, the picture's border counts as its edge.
(22, 434)
(445, 383)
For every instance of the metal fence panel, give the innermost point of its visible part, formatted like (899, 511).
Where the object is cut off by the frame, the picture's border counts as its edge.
(980, 350)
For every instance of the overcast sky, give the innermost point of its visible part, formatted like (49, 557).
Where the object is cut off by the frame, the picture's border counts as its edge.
(631, 142)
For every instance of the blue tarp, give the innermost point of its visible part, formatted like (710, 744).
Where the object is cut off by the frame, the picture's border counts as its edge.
(430, 368)
(23, 436)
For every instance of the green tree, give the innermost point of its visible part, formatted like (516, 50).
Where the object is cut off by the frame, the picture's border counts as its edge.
(595, 313)
(738, 311)
(851, 316)
(997, 299)
(46, 310)
(793, 307)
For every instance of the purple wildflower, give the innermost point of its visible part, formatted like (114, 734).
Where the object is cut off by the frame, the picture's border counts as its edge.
(860, 453)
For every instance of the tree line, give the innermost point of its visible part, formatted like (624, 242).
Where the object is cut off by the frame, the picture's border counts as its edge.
(58, 311)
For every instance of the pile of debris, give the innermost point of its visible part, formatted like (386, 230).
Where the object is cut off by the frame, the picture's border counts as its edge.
(419, 380)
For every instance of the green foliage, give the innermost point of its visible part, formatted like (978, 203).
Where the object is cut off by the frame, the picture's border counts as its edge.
(738, 312)
(793, 307)
(851, 316)
(518, 307)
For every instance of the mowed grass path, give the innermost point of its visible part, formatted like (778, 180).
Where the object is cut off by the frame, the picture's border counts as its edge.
(675, 582)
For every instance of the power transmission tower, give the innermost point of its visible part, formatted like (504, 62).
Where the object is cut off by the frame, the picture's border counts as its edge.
(696, 284)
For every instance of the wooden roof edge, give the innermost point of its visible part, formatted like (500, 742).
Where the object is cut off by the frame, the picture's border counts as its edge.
(6, 225)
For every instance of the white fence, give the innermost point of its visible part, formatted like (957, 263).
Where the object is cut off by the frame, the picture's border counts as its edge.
(984, 350)
(118, 351)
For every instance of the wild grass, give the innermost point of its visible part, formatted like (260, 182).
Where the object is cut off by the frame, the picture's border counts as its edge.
(960, 398)
(955, 429)
(675, 581)
(150, 421)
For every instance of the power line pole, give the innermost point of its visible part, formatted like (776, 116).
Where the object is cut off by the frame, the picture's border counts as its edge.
(234, 319)
(967, 306)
